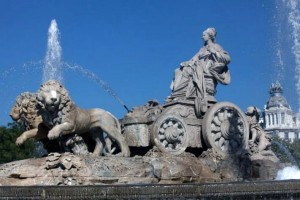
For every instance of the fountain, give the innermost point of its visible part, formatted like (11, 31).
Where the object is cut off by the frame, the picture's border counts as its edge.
(189, 147)
(52, 64)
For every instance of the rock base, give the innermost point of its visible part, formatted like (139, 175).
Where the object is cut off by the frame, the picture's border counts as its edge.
(153, 168)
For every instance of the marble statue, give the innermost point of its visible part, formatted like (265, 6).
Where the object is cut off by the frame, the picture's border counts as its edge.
(63, 117)
(258, 137)
(25, 112)
(198, 77)
(190, 138)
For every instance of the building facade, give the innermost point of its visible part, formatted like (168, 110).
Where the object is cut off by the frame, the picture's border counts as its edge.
(278, 117)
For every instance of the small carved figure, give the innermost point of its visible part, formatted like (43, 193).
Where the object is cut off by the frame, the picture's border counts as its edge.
(63, 117)
(258, 137)
(150, 110)
(198, 77)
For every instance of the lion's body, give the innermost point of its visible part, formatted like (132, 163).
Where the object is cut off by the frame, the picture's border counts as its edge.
(63, 117)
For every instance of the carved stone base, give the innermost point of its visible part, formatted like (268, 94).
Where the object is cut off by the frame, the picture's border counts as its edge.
(69, 169)
(155, 167)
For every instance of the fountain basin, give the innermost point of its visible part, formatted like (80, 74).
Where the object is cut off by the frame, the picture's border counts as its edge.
(289, 189)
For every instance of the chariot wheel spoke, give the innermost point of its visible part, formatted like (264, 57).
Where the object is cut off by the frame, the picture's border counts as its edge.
(217, 121)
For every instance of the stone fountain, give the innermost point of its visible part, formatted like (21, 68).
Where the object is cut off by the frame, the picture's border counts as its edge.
(190, 139)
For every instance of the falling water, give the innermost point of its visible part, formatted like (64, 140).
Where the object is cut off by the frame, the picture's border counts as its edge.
(290, 172)
(52, 63)
(288, 12)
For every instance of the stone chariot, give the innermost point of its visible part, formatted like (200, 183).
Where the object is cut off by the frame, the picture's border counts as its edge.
(191, 116)
(175, 126)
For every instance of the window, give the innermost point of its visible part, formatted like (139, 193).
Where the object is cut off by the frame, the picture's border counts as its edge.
(286, 136)
(282, 118)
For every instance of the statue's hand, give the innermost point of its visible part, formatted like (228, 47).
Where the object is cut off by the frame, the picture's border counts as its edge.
(54, 133)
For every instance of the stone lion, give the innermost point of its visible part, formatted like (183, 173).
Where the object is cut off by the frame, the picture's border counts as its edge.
(63, 117)
(25, 112)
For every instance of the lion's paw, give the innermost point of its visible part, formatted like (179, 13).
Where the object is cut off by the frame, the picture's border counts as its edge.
(53, 135)
(20, 140)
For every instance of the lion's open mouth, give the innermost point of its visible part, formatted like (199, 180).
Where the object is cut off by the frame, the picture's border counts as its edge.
(51, 107)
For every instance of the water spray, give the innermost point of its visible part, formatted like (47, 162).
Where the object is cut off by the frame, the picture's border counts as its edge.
(293, 18)
(52, 62)
(92, 76)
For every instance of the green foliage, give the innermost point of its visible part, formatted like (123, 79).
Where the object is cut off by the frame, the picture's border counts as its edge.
(9, 151)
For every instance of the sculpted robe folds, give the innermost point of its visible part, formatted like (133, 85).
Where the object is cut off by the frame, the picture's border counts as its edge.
(199, 76)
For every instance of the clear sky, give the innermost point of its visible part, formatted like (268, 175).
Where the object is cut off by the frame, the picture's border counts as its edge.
(135, 46)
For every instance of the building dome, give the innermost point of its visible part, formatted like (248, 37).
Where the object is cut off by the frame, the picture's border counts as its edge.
(277, 100)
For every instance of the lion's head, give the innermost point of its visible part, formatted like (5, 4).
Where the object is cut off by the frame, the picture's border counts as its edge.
(52, 96)
(54, 101)
(25, 110)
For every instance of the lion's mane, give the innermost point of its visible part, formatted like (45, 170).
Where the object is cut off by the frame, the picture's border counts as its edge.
(26, 107)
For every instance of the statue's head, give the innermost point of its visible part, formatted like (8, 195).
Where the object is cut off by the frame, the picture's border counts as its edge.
(51, 95)
(209, 34)
(252, 110)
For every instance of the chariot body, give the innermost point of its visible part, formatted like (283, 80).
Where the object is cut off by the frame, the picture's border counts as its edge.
(177, 125)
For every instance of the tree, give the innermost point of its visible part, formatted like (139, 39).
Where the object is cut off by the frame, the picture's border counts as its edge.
(9, 151)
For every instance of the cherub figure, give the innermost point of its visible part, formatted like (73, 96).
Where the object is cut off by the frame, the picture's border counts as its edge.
(258, 137)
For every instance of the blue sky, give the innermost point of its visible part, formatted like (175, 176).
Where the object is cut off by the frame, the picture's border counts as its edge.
(135, 46)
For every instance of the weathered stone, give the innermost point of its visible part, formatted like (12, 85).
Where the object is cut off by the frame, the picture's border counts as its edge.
(264, 167)
(107, 170)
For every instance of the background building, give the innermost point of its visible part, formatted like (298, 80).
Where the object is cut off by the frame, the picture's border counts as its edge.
(278, 117)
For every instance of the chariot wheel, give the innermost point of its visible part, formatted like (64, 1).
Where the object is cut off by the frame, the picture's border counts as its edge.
(170, 134)
(225, 128)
